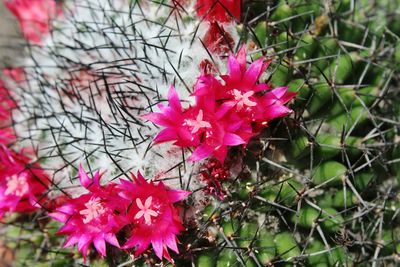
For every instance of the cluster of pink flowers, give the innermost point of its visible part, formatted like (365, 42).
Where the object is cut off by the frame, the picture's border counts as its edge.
(229, 110)
(144, 208)
(34, 16)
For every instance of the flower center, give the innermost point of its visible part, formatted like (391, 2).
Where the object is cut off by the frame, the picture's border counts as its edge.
(145, 210)
(94, 209)
(17, 185)
(198, 123)
(243, 99)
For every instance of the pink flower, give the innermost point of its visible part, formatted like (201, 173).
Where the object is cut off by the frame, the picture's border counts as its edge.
(94, 217)
(34, 16)
(203, 127)
(23, 184)
(219, 10)
(155, 219)
(228, 111)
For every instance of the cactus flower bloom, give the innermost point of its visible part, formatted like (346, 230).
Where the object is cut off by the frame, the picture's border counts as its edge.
(34, 17)
(155, 219)
(226, 113)
(23, 184)
(94, 217)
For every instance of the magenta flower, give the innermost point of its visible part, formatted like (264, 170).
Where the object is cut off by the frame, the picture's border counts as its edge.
(226, 113)
(34, 16)
(155, 220)
(94, 217)
(203, 127)
(23, 184)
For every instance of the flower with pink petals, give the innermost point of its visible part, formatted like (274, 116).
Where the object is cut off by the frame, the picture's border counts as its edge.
(94, 217)
(155, 219)
(219, 10)
(226, 113)
(23, 184)
(203, 127)
(34, 16)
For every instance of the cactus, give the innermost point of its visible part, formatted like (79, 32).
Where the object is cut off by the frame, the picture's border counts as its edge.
(319, 187)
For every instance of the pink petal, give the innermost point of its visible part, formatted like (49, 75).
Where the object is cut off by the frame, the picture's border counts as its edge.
(112, 239)
(231, 139)
(166, 135)
(173, 99)
(83, 177)
(200, 153)
(170, 241)
(177, 195)
(241, 57)
(157, 118)
(59, 216)
(273, 112)
(279, 92)
(234, 68)
(254, 72)
(84, 241)
(100, 245)
(158, 247)
(71, 240)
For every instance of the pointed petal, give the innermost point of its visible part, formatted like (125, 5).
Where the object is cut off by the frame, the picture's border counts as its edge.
(166, 135)
(158, 247)
(59, 216)
(170, 241)
(83, 241)
(177, 195)
(279, 92)
(157, 118)
(241, 57)
(112, 239)
(71, 240)
(83, 177)
(100, 245)
(231, 139)
(173, 99)
(234, 68)
(200, 153)
(254, 72)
